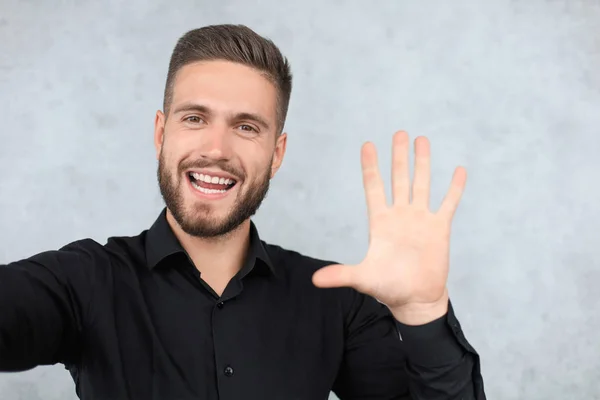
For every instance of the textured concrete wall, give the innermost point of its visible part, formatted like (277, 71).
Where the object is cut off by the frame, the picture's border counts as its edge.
(510, 89)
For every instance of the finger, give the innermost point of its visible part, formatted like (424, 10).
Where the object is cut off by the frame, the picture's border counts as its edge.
(334, 276)
(452, 198)
(400, 170)
(421, 181)
(372, 182)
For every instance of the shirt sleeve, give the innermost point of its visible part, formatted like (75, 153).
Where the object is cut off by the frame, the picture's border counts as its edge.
(386, 359)
(43, 300)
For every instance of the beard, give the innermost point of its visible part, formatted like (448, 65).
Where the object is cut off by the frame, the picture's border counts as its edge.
(195, 220)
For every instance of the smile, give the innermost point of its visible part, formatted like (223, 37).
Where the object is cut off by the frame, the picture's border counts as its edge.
(210, 184)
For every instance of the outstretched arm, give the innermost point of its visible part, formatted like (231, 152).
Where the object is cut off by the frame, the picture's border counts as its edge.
(43, 300)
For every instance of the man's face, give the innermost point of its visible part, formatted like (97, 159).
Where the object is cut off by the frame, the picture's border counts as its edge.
(218, 148)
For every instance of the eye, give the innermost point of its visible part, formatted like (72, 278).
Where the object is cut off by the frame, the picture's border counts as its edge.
(248, 128)
(194, 119)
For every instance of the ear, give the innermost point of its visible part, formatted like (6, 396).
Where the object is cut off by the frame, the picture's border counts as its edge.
(280, 146)
(159, 132)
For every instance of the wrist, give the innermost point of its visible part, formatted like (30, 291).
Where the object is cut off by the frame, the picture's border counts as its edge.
(421, 313)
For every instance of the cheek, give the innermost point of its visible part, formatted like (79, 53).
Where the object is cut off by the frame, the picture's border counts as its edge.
(261, 169)
(172, 154)
(175, 142)
(170, 166)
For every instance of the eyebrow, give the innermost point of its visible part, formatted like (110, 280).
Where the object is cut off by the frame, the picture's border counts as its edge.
(232, 117)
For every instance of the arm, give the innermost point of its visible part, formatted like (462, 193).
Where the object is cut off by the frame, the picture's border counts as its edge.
(385, 359)
(406, 268)
(42, 303)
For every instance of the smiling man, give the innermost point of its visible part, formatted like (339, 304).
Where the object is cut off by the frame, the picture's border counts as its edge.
(199, 307)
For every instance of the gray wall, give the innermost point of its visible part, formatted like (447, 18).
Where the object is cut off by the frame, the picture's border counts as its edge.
(510, 89)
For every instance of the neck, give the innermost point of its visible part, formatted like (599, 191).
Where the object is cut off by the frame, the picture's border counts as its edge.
(218, 258)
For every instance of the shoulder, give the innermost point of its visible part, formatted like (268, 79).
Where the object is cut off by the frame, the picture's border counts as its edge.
(129, 248)
(294, 261)
(91, 255)
(298, 268)
(356, 308)
(81, 252)
(113, 247)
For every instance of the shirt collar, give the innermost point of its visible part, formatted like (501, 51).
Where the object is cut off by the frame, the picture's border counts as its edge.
(161, 243)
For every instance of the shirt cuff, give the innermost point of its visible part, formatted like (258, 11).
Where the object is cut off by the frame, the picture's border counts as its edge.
(433, 344)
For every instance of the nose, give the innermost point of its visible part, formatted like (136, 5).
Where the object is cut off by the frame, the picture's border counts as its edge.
(216, 143)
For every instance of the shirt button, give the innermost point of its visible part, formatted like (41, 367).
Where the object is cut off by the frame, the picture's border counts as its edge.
(228, 371)
(220, 305)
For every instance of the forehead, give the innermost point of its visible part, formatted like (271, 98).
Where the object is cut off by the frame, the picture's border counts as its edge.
(225, 87)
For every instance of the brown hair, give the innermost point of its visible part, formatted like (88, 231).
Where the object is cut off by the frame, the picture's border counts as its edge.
(238, 44)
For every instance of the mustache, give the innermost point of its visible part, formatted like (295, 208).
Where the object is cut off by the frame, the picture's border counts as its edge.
(219, 164)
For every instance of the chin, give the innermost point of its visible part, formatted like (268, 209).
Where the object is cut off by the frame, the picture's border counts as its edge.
(204, 221)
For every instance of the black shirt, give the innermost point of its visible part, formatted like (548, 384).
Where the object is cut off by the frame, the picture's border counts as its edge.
(133, 319)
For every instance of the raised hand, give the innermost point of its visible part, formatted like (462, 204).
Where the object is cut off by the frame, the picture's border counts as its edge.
(406, 266)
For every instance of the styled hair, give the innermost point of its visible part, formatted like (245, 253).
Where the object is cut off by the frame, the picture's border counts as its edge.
(238, 44)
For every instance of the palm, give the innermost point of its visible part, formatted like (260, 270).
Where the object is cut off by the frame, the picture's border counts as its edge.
(408, 256)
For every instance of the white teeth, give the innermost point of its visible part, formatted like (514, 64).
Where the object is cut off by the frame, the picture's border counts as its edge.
(211, 179)
(207, 191)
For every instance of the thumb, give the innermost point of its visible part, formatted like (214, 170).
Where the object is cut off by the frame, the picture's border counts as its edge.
(337, 275)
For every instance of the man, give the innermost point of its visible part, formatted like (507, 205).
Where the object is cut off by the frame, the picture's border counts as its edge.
(198, 307)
